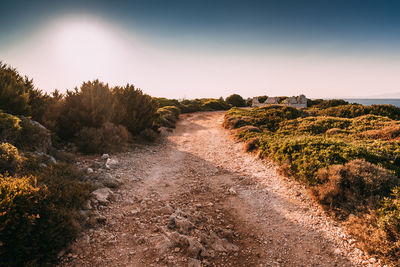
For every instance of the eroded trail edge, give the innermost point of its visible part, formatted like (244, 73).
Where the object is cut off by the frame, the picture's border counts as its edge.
(196, 199)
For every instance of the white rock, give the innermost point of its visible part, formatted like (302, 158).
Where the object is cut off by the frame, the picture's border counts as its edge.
(89, 170)
(232, 191)
(337, 251)
(102, 195)
(105, 156)
(111, 163)
(52, 160)
(87, 206)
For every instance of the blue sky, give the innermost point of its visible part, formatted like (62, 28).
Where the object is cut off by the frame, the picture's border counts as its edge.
(208, 48)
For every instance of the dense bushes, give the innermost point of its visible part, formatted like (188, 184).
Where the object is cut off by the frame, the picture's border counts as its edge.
(98, 118)
(268, 117)
(10, 127)
(313, 125)
(37, 207)
(323, 104)
(90, 106)
(348, 154)
(194, 105)
(134, 109)
(204, 104)
(356, 110)
(18, 96)
(163, 102)
(14, 95)
(357, 185)
(167, 116)
(107, 138)
(33, 136)
(389, 215)
(235, 100)
(20, 200)
(214, 104)
(303, 157)
(10, 160)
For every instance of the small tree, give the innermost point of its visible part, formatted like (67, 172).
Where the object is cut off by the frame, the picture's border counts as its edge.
(90, 106)
(14, 91)
(135, 110)
(236, 100)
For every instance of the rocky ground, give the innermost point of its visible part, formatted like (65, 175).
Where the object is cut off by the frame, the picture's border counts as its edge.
(196, 199)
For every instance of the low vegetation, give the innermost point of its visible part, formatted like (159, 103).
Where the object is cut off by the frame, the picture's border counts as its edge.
(194, 105)
(38, 206)
(349, 156)
(39, 195)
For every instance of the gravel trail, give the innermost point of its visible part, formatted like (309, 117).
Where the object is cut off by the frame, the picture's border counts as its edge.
(196, 199)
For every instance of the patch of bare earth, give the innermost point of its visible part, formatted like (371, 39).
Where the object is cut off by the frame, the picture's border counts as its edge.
(196, 199)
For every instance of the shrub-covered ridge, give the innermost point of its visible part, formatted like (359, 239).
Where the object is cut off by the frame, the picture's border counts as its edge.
(349, 155)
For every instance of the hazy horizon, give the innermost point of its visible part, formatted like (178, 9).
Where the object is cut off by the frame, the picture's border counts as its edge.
(189, 49)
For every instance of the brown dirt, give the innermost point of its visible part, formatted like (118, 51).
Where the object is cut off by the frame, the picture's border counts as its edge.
(196, 199)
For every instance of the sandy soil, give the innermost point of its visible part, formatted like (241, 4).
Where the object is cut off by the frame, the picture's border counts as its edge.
(196, 199)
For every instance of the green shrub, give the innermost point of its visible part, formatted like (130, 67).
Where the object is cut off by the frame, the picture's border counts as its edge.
(135, 110)
(389, 215)
(356, 110)
(90, 106)
(214, 104)
(55, 106)
(369, 122)
(163, 102)
(174, 110)
(10, 128)
(323, 104)
(194, 105)
(14, 95)
(108, 137)
(246, 132)
(33, 136)
(251, 144)
(269, 117)
(235, 100)
(190, 106)
(10, 160)
(348, 154)
(167, 116)
(148, 135)
(357, 185)
(20, 200)
(38, 214)
(313, 125)
(303, 157)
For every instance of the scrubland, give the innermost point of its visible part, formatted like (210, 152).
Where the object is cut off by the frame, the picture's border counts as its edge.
(347, 154)
(41, 134)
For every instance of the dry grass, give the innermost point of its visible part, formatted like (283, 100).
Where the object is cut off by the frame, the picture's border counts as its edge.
(391, 132)
(334, 131)
(355, 186)
(372, 238)
(251, 144)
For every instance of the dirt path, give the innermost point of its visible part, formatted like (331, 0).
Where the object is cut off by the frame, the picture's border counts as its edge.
(195, 199)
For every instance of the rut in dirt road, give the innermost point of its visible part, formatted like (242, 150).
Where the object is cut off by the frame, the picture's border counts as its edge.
(195, 199)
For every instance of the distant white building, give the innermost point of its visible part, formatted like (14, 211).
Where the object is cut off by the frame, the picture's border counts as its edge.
(294, 101)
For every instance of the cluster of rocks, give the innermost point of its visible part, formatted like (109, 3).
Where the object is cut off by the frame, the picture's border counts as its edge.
(98, 175)
(183, 234)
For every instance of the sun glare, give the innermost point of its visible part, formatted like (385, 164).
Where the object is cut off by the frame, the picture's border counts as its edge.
(84, 44)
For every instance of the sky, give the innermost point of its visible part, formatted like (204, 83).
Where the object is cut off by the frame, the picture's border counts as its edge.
(202, 48)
